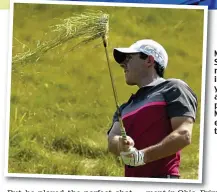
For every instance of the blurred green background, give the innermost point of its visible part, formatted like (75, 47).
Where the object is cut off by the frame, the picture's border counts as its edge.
(62, 105)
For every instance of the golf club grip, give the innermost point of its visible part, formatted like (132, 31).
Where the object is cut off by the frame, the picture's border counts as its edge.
(123, 131)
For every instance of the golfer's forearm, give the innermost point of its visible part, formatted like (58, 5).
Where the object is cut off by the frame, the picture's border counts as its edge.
(168, 146)
(113, 145)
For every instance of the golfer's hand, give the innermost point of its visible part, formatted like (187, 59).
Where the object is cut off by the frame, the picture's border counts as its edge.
(133, 157)
(124, 145)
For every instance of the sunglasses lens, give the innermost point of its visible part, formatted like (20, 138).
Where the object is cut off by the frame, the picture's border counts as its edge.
(119, 57)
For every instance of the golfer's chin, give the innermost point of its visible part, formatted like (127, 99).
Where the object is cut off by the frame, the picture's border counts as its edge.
(129, 82)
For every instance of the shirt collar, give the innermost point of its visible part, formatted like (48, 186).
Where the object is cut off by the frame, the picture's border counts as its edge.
(155, 82)
(148, 86)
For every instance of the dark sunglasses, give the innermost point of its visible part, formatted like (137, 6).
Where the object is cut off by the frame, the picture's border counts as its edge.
(127, 57)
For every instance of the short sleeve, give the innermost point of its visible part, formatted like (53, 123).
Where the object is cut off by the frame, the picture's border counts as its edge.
(180, 99)
(115, 116)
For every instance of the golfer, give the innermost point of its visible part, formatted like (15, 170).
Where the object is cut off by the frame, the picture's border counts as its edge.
(158, 118)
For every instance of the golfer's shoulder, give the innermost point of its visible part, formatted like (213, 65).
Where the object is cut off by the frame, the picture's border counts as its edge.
(180, 86)
(177, 82)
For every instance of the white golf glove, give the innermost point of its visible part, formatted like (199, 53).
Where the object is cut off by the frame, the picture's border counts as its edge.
(133, 157)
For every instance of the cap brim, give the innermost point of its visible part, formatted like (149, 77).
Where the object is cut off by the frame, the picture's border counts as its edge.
(120, 53)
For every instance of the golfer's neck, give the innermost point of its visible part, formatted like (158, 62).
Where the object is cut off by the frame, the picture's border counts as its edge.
(147, 80)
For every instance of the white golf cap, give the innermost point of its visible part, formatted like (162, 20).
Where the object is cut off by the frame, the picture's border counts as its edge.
(146, 46)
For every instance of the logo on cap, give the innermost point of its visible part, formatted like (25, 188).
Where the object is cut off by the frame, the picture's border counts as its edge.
(149, 50)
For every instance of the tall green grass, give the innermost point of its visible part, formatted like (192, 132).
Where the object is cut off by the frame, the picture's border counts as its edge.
(62, 105)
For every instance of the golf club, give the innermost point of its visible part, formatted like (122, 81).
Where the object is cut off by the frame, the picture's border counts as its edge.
(123, 132)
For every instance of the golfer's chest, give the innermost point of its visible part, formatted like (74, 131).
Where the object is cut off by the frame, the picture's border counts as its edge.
(144, 111)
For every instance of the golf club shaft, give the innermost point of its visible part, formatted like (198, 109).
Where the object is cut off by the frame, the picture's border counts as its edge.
(123, 132)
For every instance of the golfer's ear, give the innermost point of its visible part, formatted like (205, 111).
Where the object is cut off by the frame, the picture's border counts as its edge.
(150, 60)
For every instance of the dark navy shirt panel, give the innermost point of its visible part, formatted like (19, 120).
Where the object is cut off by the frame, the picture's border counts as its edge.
(180, 99)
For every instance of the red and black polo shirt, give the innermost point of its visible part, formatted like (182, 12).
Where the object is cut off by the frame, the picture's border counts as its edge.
(146, 118)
